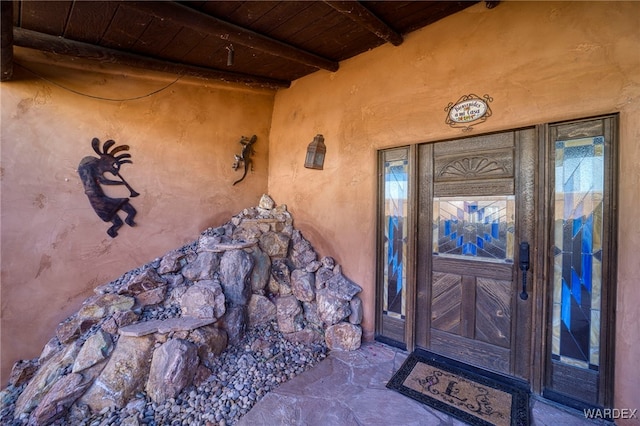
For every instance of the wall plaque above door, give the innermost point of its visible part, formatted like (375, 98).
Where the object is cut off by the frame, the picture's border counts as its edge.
(468, 109)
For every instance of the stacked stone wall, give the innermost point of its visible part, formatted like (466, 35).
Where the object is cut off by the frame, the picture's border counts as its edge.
(158, 329)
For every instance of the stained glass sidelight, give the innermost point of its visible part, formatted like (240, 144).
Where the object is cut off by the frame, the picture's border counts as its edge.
(579, 182)
(395, 236)
(478, 227)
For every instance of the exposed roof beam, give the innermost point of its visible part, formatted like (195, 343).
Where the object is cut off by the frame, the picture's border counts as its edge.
(62, 46)
(6, 47)
(365, 18)
(198, 21)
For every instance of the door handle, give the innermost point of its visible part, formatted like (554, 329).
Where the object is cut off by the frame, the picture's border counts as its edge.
(524, 267)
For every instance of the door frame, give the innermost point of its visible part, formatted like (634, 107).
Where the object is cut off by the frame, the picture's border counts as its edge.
(542, 265)
(610, 123)
(525, 158)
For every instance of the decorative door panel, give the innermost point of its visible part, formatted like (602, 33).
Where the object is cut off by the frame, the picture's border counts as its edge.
(446, 306)
(481, 200)
(493, 311)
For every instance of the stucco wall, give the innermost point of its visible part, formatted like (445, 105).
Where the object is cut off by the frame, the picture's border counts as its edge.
(540, 61)
(55, 249)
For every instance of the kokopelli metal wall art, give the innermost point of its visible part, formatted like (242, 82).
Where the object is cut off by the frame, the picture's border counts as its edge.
(92, 170)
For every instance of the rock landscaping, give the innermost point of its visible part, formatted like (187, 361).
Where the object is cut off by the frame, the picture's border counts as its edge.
(196, 337)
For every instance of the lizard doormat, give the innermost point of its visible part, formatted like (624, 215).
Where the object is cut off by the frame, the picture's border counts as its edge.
(469, 394)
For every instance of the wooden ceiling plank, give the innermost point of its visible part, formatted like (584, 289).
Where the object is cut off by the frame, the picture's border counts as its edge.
(157, 38)
(62, 46)
(125, 29)
(6, 41)
(282, 14)
(250, 12)
(185, 41)
(365, 18)
(49, 17)
(89, 21)
(223, 9)
(233, 33)
(324, 20)
(309, 11)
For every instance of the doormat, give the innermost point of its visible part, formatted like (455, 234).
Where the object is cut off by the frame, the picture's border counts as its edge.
(467, 393)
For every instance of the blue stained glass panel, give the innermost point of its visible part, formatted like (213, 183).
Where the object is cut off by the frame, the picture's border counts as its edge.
(579, 176)
(478, 227)
(395, 236)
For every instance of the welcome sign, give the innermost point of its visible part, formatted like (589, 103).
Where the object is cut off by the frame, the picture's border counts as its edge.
(468, 109)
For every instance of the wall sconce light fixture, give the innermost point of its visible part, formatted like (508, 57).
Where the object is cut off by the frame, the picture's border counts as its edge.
(315, 153)
(230, 55)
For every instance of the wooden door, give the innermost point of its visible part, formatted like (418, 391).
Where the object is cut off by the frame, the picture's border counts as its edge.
(476, 206)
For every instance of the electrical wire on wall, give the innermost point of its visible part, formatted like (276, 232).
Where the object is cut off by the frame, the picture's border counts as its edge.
(99, 97)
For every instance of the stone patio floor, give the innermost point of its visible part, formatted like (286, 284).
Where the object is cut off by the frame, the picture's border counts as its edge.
(348, 388)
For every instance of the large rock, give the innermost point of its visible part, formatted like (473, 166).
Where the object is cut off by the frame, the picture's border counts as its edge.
(234, 322)
(48, 373)
(118, 320)
(52, 347)
(210, 341)
(303, 285)
(266, 202)
(172, 369)
(152, 297)
(95, 349)
(74, 327)
(23, 371)
(311, 316)
(289, 314)
(302, 252)
(342, 287)
(235, 271)
(261, 310)
(60, 397)
(356, 310)
(126, 373)
(148, 279)
(306, 336)
(331, 309)
(343, 337)
(171, 262)
(167, 326)
(261, 270)
(323, 275)
(275, 244)
(282, 275)
(204, 299)
(98, 307)
(203, 267)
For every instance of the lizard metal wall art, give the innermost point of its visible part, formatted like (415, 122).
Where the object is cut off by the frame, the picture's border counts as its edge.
(92, 170)
(244, 158)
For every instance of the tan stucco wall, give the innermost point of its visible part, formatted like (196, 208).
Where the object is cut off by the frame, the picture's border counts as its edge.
(55, 249)
(540, 61)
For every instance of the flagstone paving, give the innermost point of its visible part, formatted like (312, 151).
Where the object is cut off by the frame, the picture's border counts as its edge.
(348, 388)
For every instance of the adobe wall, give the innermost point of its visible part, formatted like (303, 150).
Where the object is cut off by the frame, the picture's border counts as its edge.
(182, 140)
(540, 61)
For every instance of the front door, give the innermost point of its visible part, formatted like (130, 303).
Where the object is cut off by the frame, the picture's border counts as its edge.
(454, 273)
(477, 204)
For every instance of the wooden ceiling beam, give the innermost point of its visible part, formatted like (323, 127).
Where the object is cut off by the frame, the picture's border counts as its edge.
(6, 43)
(66, 47)
(170, 11)
(366, 19)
